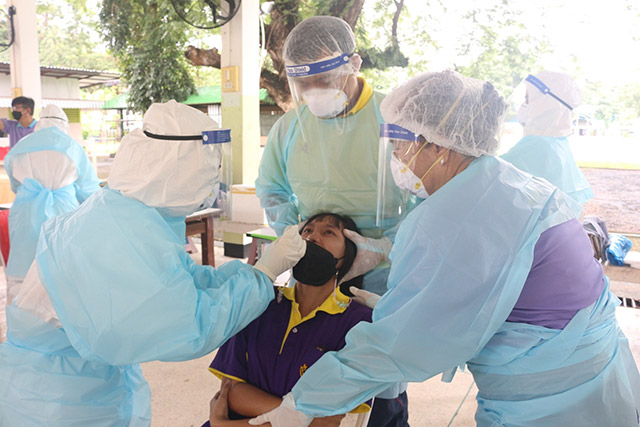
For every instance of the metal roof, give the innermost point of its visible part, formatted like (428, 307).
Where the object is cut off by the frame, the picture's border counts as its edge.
(87, 78)
(62, 103)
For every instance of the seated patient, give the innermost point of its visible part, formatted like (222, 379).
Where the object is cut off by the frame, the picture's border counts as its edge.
(266, 359)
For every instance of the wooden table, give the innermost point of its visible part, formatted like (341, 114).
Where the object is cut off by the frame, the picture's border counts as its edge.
(201, 222)
(260, 237)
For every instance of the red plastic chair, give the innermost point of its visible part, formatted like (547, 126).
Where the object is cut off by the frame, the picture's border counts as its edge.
(4, 234)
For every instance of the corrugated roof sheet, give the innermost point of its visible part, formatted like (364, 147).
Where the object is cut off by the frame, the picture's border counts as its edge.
(5, 102)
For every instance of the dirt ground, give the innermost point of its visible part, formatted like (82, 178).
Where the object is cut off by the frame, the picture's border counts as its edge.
(616, 199)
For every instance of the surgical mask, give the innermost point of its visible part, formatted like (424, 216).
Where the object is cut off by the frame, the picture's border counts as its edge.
(406, 180)
(523, 114)
(325, 103)
(17, 115)
(316, 267)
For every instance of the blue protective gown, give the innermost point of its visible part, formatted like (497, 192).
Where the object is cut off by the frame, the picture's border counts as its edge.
(125, 292)
(34, 204)
(45, 382)
(551, 158)
(460, 261)
(336, 172)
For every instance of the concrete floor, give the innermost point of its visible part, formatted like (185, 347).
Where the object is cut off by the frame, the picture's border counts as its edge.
(181, 391)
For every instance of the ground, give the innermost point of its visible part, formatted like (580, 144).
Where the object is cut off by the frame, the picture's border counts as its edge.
(616, 198)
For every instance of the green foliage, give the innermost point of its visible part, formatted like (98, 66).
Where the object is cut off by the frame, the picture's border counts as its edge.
(68, 36)
(630, 95)
(500, 47)
(148, 39)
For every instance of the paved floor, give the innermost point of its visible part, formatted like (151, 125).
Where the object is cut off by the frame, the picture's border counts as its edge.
(181, 391)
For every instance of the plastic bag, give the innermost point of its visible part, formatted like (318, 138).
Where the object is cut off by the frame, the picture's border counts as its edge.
(618, 248)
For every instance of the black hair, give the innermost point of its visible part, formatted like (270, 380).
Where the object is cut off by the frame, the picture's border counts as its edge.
(25, 102)
(350, 250)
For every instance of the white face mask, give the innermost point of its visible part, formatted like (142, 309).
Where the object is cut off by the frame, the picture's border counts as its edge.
(325, 103)
(405, 179)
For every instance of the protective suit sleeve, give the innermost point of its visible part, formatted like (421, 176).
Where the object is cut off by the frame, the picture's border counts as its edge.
(440, 311)
(138, 296)
(88, 182)
(272, 186)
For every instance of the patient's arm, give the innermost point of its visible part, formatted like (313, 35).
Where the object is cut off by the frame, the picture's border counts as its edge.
(250, 401)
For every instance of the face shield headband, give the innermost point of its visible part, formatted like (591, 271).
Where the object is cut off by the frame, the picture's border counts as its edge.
(218, 136)
(538, 84)
(305, 70)
(53, 117)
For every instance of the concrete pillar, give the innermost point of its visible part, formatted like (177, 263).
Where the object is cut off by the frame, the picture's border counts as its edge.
(240, 90)
(25, 60)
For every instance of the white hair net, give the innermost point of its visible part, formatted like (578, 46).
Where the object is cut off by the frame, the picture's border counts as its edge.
(545, 115)
(320, 37)
(449, 110)
(174, 175)
(50, 116)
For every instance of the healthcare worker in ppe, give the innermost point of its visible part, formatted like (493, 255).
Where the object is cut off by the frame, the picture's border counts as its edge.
(50, 174)
(493, 270)
(112, 285)
(323, 154)
(544, 150)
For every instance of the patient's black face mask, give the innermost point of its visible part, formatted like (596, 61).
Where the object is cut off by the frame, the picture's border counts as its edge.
(316, 267)
(17, 114)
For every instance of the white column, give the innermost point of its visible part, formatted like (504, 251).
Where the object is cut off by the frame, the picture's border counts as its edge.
(240, 96)
(25, 60)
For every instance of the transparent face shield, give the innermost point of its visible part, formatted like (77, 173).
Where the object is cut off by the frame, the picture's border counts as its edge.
(392, 138)
(322, 93)
(217, 146)
(538, 109)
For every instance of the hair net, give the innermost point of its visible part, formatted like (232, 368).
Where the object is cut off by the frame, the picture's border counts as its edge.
(319, 37)
(449, 110)
(543, 114)
(174, 175)
(50, 116)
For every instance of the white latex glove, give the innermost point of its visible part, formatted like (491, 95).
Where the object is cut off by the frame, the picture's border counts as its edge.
(371, 252)
(364, 297)
(284, 415)
(283, 253)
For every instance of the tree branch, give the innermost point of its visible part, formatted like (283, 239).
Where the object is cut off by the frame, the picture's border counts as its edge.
(206, 57)
(277, 89)
(396, 17)
(349, 10)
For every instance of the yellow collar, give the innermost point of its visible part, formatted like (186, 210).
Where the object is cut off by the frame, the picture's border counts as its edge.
(331, 305)
(364, 97)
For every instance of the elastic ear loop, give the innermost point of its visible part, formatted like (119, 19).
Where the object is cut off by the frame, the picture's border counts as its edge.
(438, 160)
(475, 115)
(453, 106)
(406, 166)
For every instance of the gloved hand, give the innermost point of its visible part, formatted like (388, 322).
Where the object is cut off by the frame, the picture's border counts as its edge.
(283, 253)
(371, 252)
(366, 298)
(284, 415)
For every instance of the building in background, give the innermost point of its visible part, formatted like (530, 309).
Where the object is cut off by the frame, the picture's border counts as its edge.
(61, 87)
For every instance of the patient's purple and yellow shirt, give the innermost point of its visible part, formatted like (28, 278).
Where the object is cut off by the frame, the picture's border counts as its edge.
(274, 350)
